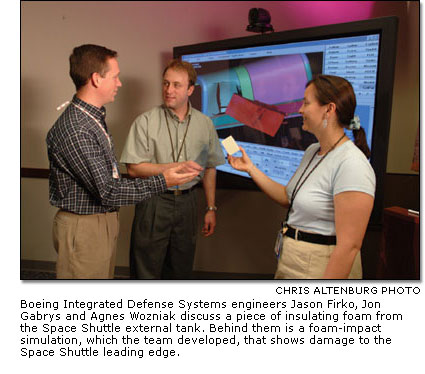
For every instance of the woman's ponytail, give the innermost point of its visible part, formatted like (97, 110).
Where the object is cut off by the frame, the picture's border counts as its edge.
(361, 142)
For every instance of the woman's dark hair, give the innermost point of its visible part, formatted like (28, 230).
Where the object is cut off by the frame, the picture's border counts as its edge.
(333, 89)
(86, 60)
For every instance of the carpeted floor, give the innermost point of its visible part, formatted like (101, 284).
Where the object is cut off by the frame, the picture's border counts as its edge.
(33, 274)
(39, 270)
(40, 275)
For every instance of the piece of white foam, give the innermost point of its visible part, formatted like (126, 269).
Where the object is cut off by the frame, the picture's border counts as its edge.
(230, 145)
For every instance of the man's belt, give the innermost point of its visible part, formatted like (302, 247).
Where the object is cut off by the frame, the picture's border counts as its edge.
(180, 192)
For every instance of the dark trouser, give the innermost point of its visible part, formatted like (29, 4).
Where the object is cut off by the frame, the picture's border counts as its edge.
(163, 237)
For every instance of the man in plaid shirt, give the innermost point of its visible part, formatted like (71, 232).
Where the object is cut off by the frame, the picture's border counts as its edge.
(84, 181)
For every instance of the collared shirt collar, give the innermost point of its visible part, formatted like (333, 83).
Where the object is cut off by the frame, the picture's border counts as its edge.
(93, 110)
(175, 117)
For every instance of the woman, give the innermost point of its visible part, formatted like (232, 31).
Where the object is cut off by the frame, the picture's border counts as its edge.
(330, 196)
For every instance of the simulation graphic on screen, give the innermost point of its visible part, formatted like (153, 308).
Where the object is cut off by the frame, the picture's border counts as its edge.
(254, 94)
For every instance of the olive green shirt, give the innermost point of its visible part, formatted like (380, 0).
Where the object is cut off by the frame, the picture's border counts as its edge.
(149, 140)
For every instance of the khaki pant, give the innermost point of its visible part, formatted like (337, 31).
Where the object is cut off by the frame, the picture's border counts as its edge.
(86, 245)
(303, 260)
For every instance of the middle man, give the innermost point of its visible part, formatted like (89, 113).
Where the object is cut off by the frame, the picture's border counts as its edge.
(163, 237)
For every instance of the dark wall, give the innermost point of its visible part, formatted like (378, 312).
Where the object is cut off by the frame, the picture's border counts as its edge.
(401, 190)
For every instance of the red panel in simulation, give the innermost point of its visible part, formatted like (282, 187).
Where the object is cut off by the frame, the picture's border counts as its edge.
(260, 116)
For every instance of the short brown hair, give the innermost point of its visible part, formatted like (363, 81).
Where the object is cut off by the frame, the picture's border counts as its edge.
(86, 60)
(177, 64)
(333, 89)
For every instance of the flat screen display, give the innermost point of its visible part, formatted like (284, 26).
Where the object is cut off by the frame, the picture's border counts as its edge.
(252, 89)
(254, 94)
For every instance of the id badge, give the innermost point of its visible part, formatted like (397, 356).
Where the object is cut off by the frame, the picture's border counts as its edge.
(279, 241)
(278, 244)
(115, 173)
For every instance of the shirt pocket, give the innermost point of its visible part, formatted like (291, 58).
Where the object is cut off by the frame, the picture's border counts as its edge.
(198, 149)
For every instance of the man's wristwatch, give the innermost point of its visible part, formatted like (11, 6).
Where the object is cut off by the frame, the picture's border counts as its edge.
(213, 208)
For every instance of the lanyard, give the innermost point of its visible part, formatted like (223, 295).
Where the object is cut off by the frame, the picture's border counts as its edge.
(171, 139)
(115, 173)
(95, 120)
(297, 188)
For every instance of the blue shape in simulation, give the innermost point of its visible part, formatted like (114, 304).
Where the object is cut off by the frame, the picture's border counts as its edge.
(217, 89)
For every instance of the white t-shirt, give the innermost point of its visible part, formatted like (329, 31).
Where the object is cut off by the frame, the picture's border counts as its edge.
(345, 168)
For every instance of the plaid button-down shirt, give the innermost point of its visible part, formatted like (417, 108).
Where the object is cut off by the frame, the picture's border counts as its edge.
(81, 165)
